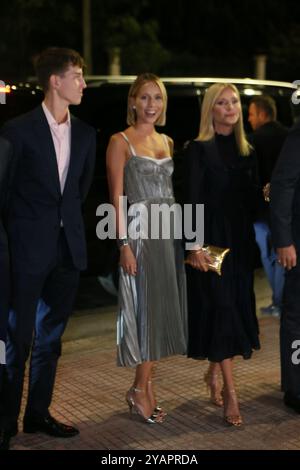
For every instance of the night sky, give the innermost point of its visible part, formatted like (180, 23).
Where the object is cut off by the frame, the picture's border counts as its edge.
(169, 37)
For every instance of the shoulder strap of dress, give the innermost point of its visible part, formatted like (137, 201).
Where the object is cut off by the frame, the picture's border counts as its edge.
(165, 138)
(129, 144)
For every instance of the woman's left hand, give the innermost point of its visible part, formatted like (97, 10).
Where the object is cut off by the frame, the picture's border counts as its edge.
(199, 260)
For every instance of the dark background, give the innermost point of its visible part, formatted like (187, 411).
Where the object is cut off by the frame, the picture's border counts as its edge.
(169, 37)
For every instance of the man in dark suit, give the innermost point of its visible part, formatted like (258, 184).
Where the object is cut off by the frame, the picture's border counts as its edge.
(285, 224)
(267, 138)
(5, 159)
(53, 164)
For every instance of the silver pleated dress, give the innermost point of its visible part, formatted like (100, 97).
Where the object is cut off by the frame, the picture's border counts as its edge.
(152, 314)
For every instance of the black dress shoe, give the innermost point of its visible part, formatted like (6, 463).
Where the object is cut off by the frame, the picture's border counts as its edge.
(6, 435)
(292, 401)
(49, 426)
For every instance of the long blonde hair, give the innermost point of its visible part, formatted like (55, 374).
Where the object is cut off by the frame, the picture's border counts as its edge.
(135, 88)
(207, 130)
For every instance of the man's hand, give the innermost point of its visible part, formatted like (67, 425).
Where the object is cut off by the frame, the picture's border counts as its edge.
(266, 192)
(287, 257)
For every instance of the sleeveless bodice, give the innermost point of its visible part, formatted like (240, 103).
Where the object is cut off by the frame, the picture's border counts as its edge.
(148, 178)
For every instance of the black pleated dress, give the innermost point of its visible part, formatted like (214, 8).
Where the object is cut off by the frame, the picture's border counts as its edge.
(222, 316)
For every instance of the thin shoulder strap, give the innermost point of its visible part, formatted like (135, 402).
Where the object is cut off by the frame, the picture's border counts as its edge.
(165, 138)
(129, 144)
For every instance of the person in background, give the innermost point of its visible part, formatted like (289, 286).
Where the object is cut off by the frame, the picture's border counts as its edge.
(267, 139)
(53, 165)
(221, 174)
(152, 290)
(285, 228)
(5, 161)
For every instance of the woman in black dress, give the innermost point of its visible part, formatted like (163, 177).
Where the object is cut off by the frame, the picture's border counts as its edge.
(221, 175)
(4, 263)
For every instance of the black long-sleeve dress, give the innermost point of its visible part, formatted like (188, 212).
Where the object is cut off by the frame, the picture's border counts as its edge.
(222, 317)
(5, 156)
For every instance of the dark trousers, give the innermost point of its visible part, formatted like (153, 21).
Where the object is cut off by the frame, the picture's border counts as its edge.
(290, 332)
(37, 326)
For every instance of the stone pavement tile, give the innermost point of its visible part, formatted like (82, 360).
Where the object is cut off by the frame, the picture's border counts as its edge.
(90, 393)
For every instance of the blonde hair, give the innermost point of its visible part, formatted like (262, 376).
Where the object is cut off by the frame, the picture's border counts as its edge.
(135, 88)
(207, 130)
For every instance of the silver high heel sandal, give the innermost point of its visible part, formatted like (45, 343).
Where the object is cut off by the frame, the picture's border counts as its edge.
(137, 408)
(158, 410)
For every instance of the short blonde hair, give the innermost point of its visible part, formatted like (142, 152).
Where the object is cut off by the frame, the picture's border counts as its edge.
(135, 88)
(207, 130)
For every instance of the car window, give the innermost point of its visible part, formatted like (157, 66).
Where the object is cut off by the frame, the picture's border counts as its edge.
(18, 102)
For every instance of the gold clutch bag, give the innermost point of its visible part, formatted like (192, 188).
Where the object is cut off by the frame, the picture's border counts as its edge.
(217, 256)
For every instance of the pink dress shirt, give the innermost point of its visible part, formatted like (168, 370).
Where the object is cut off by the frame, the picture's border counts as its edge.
(61, 135)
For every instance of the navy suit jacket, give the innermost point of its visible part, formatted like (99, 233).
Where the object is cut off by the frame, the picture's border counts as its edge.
(37, 206)
(285, 193)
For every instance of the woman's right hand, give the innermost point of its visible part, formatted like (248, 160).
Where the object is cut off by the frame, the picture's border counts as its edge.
(127, 260)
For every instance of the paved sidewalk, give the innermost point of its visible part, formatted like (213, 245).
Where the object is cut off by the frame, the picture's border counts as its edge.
(90, 393)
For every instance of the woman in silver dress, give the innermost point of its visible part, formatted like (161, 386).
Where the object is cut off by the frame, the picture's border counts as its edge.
(152, 290)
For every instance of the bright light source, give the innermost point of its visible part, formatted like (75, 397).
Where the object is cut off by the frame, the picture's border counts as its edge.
(5, 89)
(251, 92)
